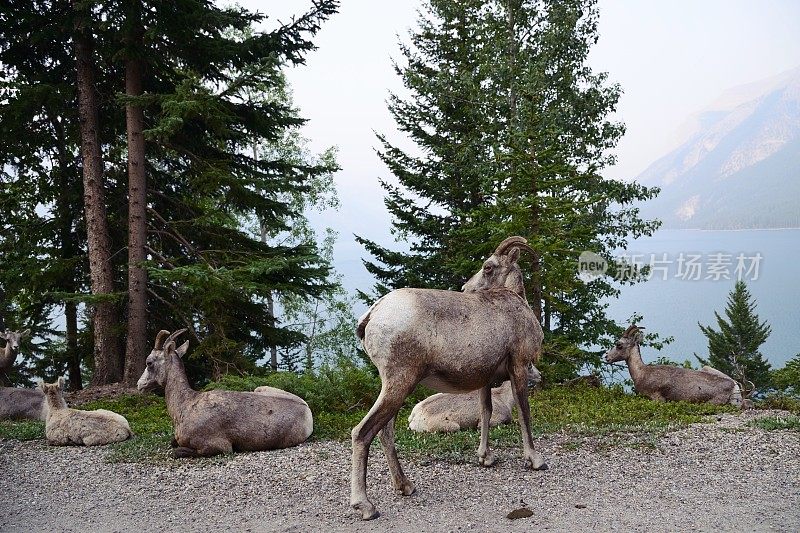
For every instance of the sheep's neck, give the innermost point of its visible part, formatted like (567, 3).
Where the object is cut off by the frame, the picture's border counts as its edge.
(636, 366)
(6, 356)
(177, 390)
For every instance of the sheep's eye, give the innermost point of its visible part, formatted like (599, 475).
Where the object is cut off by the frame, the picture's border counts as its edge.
(619, 346)
(487, 268)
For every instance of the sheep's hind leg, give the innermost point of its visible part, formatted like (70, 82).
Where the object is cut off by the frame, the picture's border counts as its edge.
(389, 402)
(399, 479)
(485, 455)
(519, 383)
(180, 452)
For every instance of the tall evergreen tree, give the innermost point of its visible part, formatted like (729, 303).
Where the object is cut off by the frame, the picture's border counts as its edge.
(206, 272)
(735, 347)
(513, 131)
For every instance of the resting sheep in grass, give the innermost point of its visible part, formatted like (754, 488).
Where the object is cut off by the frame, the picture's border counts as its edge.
(18, 404)
(673, 383)
(451, 342)
(217, 421)
(445, 412)
(65, 426)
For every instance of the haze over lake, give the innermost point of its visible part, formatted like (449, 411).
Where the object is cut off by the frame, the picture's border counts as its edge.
(674, 306)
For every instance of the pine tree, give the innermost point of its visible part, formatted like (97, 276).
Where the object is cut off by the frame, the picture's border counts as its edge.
(735, 347)
(513, 132)
(206, 271)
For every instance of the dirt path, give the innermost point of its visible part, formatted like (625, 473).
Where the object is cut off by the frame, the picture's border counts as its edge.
(725, 476)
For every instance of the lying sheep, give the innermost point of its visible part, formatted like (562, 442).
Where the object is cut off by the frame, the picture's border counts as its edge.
(19, 404)
(446, 412)
(65, 426)
(218, 421)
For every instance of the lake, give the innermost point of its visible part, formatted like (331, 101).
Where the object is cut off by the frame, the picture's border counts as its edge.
(672, 302)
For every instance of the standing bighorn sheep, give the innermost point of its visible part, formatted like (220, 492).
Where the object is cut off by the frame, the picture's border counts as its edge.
(16, 403)
(672, 383)
(445, 412)
(451, 342)
(9, 354)
(217, 421)
(66, 426)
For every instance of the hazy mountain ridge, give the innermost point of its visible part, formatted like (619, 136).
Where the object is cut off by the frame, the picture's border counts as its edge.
(739, 168)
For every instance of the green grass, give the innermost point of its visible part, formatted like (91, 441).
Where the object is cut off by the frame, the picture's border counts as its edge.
(21, 430)
(339, 400)
(771, 423)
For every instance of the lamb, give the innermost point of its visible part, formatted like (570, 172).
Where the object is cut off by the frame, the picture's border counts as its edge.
(445, 412)
(9, 354)
(451, 342)
(672, 383)
(217, 421)
(18, 404)
(65, 426)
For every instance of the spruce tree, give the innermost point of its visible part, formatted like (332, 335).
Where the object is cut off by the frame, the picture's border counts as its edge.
(734, 348)
(513, 131)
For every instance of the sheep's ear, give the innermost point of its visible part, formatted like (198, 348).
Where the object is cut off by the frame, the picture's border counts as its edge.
(2, 335)
(638, 337)
(41, 385)
(181, 351)
(61, 382)
(513, 255)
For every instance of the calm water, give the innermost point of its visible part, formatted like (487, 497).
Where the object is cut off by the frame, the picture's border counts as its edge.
(674, 306)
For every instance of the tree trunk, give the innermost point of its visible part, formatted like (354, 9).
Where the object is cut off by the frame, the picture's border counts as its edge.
(107, 364)
(136, 344)
(73, 355)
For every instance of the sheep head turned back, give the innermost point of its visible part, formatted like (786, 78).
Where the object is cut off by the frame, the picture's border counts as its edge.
(154, 376)
(501, 270)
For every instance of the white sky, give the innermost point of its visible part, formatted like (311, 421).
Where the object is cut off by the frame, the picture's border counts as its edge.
(672, 59)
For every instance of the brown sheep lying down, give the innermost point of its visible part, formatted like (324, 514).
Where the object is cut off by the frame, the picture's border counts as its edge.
(20, 404)
(217, 421)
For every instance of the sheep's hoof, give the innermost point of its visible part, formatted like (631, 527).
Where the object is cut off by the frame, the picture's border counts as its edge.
(368, 511)
(181, 452)
(535, 462)
(487, 460)
(407, 488)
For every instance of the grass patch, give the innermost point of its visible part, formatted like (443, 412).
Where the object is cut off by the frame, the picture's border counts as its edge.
(772, 423)
(780, 401)
(21, 430)
(340, 397)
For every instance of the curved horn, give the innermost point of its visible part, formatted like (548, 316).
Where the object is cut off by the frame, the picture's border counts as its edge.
(631, 330)
(160, 339)
(175, 335)
(512, 242)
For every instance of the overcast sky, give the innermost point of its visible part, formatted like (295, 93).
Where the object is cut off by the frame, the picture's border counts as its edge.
(672, 59)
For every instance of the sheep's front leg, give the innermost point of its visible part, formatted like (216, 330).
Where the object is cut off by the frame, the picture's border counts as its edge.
(485, 455)
(519, 383)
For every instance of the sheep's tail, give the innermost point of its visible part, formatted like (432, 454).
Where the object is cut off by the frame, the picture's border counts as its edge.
(364, 320)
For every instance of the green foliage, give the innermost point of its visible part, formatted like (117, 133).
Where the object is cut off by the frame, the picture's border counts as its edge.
(780, 401)
(734, 347)
(787, 379)
(146, 414)
(21, 430)
(779, 422)
(213, 88)
(513, 130)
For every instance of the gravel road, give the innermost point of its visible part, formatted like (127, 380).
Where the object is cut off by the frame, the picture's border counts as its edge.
(723, 476)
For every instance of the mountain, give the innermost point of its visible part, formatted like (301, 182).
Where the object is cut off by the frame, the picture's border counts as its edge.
(740, 164)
